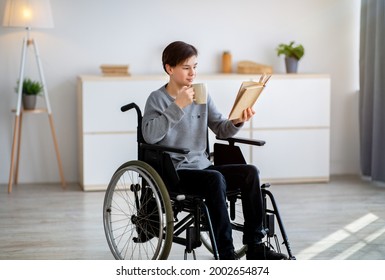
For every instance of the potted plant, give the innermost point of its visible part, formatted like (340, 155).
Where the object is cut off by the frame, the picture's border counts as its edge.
(30, 90)
(293, 53)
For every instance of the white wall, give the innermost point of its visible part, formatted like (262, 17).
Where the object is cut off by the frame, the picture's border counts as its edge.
(89, 33)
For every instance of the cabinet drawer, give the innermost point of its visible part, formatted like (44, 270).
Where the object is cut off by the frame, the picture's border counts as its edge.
(293, 155)
(101, 103)
(293, 103)
(103, 154)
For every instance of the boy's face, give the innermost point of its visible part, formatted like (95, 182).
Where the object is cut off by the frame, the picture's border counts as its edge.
(184, 73)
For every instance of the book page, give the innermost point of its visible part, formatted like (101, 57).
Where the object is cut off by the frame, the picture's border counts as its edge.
(243, 88)
(247, 96)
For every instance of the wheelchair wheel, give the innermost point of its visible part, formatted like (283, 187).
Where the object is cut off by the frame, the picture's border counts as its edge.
(137, 213)
(237, 221)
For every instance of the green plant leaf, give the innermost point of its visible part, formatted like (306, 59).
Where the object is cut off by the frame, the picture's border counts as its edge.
(30, 87)
(291, 50)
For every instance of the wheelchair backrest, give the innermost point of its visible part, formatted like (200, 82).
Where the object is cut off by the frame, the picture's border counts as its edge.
(162, 163)
(159, 159)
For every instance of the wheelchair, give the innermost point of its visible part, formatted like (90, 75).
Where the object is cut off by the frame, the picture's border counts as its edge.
(144, 214)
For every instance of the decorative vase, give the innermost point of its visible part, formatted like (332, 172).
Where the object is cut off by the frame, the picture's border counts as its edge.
(291, 64)
(226, 62)
(29, 102)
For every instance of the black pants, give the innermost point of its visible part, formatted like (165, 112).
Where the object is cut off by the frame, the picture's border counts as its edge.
(212, 183)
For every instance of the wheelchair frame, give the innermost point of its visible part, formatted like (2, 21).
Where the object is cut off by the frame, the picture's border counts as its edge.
(140, 211)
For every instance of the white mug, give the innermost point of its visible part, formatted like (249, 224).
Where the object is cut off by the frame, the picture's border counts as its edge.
(200, 93)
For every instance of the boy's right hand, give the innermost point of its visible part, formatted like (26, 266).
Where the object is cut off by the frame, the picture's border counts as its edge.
(185, 97)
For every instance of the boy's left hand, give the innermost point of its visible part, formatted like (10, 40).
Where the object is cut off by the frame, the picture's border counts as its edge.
(247, 115)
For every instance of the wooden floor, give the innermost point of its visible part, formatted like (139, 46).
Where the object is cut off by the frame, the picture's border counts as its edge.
(344, 219)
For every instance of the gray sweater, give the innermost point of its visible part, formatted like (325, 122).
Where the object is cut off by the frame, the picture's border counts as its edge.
(166, 124)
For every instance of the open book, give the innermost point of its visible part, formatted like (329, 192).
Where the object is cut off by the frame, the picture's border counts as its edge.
(247, 96)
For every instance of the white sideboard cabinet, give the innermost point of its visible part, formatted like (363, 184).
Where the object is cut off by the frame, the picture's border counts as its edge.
(292, 116)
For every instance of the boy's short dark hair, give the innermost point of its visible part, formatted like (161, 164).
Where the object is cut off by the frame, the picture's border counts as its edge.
(177, 52)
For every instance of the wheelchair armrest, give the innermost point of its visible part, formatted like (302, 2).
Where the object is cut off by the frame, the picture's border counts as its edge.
(156, 147)
(233, 140)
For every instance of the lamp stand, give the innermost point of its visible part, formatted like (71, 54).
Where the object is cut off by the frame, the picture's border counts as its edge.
(19, 113)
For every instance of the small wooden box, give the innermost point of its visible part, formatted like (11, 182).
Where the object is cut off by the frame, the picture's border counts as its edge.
(249, 67)
(114, 70)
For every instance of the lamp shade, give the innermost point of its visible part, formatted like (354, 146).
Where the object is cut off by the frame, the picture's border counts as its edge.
(28, 14)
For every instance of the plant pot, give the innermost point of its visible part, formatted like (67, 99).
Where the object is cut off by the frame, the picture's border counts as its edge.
(29, 102)
(291, 64)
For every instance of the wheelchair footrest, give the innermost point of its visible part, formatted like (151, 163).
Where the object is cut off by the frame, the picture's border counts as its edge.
(192, 239)
(270, 224)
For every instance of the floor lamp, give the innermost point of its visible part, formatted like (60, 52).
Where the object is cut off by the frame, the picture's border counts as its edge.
(29, 14)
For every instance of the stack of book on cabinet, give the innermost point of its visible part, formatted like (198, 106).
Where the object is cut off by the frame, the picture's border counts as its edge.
(114, 70)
